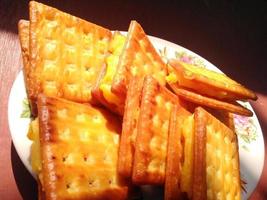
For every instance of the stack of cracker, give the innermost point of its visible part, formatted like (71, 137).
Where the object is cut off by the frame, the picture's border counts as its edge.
(110, 114)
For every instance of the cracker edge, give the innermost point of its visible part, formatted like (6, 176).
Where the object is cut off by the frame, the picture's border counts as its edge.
(140, 175)
(174, 154)
(210, 102)
(130, 119)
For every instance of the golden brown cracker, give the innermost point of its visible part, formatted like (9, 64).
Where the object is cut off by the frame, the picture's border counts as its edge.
(66, 54)
(23, 31)
(139, 58)
(199, 99)
(216, 160)
(129, 127)
(210, 83)
(79, 148)
(152, 133)
(175, 154)
(199, 186)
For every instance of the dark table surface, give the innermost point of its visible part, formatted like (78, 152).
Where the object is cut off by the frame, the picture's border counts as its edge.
(230, 34)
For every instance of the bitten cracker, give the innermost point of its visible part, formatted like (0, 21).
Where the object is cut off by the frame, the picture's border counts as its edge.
(216, 161)
(199, 99)
(152, 133)
(79, 149)
(129, 127)
(139, 58)
(66, 54)
(209, 83)
(175, 154)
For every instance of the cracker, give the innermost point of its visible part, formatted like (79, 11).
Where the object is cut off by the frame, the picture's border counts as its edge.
(152, 133)
(187, 141)
(66, 54)
(202, 100)
(175, 154)
(102, 89)
(23, 31)
(79, 148)
(210, 83)
(216, 161)
(129, 128)
(139, 58)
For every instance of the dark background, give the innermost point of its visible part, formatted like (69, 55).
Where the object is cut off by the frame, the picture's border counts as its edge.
(230, 34)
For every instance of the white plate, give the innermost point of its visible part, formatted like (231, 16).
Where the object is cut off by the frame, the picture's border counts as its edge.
(251, 145)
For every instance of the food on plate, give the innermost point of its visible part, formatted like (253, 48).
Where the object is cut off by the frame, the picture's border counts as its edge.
(175, 154)
(216, 172)
(73, 67)
(129, 127)
(102, 90)
(128, 57)
(202, 100)
(138, 59)
(79, 150)
(206, 165)
(152, 133)
(208, 82)
(66, 54)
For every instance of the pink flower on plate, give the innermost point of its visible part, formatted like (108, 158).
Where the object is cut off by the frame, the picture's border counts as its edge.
(245, 128)
(186, 59)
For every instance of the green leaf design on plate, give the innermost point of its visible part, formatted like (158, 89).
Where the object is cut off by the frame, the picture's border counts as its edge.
(188, 58)
(246, 130)
(245, 138)
(26, 111)
(245, 148)
(163, 54)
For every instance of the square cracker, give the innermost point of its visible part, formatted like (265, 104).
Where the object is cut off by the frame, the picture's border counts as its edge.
(79, 148)
(139, 58)
(129, 127)
(208, 82)
(152, 133)
(216, 160)
(175, 154)
(66, 54)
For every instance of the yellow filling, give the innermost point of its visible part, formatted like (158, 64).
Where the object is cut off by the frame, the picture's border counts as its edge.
(112, 60)
(192, 69)
(33, 134)
(171, 78)
(187, 165)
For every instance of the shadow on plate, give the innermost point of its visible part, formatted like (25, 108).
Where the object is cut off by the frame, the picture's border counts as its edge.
(25, 182)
